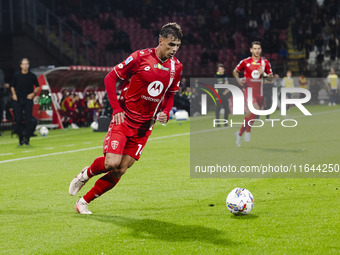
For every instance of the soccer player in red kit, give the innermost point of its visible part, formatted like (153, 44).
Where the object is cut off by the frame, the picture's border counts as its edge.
(255, 69)
(150, 78)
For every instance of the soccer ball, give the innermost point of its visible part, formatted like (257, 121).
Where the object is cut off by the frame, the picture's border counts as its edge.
(240, 201)
(44, 131)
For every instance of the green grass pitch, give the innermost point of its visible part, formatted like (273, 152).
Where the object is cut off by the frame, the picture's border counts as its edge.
(157, 208)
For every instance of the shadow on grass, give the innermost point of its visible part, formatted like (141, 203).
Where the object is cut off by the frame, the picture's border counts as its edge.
(162, 230)
(244, 217)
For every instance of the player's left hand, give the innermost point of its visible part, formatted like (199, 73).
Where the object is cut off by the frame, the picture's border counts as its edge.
(163, 117)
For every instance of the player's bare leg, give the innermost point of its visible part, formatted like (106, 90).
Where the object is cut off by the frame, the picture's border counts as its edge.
(116, 165)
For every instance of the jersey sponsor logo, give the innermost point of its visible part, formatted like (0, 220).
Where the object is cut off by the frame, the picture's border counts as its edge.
(147, 68)
(156, 100)
(155, 88)
(120, 65)
(255, 74)
(128, 60)
(114, 144)
(159, 66)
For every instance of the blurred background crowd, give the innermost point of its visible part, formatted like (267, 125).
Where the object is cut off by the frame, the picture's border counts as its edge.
(300, 36)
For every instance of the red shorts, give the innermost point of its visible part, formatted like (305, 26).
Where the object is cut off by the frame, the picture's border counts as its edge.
(121, 139)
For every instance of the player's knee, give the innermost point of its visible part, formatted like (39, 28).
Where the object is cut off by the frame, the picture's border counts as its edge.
(118, 172)
(111, 164)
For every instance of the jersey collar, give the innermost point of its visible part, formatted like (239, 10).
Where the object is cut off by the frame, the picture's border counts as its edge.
(256, 60)
(154, 50)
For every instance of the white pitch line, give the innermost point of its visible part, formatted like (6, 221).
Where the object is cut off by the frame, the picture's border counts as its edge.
(26, 151)
(49, 154)
(85, 149)
(6, 154)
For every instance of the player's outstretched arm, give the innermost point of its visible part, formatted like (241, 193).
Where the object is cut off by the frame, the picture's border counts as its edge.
(111, 81)
(236, 74)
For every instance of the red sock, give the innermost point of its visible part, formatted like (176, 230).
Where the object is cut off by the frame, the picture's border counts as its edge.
(251, 117)
(101, 186)
(243, 128)
(97, 167)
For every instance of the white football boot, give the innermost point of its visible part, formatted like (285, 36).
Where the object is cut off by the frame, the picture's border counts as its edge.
(247, 137)
(82, 207)
(78, 182)
(238, 139)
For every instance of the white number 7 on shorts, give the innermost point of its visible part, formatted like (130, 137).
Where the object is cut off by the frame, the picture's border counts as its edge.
(140, 149)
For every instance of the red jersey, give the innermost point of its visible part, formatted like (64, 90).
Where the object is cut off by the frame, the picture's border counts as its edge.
(252, 75)
(149, 79)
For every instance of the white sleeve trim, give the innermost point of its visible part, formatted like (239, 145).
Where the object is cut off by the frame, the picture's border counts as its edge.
(118, 74)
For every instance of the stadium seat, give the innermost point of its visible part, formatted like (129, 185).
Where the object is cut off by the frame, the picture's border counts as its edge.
(274, 56)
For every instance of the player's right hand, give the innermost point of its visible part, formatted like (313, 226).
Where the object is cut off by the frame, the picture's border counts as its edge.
(14, 97)
(118, 118)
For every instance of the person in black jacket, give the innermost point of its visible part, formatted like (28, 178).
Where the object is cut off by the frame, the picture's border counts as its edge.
(223, 93)
(24, 87)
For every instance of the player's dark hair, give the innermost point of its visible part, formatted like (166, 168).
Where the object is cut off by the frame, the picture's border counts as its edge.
(255, 43)
(220, 65)
(21, 60)
(171, 30)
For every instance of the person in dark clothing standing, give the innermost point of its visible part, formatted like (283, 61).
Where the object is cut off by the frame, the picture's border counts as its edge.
(24, 87)
(223, 93)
